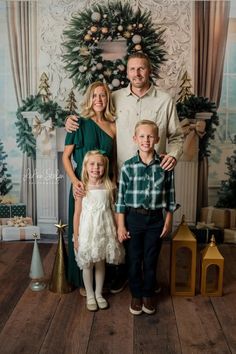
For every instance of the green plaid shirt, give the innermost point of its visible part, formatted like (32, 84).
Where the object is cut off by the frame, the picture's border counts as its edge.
(145, 186)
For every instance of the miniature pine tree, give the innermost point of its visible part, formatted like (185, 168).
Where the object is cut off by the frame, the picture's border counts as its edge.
(71, 103)
(44, 88)
(5, 178)
(227, 190)
(185, 88)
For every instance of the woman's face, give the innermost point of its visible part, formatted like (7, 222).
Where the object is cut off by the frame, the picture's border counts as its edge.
(99, 99)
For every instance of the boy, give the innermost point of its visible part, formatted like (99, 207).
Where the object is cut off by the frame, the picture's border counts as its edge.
(145, 189)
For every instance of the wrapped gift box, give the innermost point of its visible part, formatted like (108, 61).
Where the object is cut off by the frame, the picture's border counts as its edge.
(10, 210)
(20, 233)
(4, 222)
(220, 217)
(230, 235)
(232, 218)
(204, 235)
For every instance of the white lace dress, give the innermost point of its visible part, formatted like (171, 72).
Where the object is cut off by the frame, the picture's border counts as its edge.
(97, 233)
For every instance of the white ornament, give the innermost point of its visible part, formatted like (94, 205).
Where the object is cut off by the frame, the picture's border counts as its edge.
(100, 76)
(115, 83)
(120, 28)
(82, 68)
(110, 87)
(99, 66)
(136, 39)
(96, 16)
(105, 16)
(93, 68)
(121, 67)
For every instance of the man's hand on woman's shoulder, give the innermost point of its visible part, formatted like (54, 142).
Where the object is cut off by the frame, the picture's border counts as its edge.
(71, 123)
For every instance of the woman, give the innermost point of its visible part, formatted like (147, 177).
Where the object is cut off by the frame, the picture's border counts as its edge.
(97, 131)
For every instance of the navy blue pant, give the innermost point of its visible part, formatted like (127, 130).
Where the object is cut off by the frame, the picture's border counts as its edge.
(143, 249)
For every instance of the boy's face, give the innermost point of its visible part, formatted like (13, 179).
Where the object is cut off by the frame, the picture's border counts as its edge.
(146, 137)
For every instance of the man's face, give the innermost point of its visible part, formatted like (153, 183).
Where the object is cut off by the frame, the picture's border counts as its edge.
(138, 72)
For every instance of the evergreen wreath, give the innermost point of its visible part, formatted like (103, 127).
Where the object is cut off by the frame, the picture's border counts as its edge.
(24, 137)
(113, 21)
(192, 105)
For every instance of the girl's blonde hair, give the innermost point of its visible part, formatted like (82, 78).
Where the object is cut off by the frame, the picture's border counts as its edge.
(87, 104)
(105, 178)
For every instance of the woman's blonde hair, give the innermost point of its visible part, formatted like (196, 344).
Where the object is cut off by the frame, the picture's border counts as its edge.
(87, 104)
(105, 178)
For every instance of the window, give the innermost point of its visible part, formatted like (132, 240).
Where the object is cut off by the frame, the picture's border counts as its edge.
(222, 146)
(8, 107)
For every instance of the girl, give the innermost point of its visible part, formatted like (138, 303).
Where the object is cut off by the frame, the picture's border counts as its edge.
(95, 240)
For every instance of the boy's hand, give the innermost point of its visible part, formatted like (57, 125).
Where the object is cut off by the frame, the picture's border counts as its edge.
(123, 234)
(166, 230)
(71, 123)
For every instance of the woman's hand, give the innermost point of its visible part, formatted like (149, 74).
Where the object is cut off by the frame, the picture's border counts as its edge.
(78, 190)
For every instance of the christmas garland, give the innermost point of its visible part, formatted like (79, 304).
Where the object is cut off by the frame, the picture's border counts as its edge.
(24, 137)
(192, 105)
(115, 21)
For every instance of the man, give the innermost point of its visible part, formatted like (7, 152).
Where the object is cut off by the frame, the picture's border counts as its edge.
(142, 100)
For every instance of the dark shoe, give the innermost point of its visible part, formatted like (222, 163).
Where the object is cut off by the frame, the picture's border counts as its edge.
(136, 306)
(148, 305)
(118, 285)
(157, 289)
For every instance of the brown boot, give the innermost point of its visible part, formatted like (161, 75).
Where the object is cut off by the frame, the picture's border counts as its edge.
(148, 305)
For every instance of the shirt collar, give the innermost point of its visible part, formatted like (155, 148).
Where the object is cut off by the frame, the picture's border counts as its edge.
(156, 157)
(150, 91)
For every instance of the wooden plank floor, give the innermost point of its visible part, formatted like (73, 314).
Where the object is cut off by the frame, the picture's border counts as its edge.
(48, 323)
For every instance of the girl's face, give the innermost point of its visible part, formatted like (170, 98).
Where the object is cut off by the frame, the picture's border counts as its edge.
(99, 99)
(95, 167)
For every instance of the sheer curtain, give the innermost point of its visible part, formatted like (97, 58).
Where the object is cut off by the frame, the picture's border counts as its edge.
(211, 28)
(22, 33)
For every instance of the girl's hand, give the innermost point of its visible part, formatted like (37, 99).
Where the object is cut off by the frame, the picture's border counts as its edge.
(76, 244)
(123, 234)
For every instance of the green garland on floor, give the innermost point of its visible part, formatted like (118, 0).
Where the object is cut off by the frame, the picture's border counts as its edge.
(106, 23)
(24, 137)
(192, 105)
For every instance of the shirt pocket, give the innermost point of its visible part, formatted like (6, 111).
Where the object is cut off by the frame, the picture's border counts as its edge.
(158, 181)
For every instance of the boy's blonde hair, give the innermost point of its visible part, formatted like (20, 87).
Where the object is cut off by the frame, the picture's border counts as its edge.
(87, 104)
(147, 122)
(105, 178)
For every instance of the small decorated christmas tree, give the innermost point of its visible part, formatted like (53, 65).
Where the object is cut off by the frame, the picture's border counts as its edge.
(71, 103)
(5, 178)
(44, 88)
(227, 190)
(185, 88)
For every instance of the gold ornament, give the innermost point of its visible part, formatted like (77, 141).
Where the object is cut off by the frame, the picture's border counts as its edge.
(84, 51)
(126, 34)
(129, 27)
(93, 29)
(140, 25)
(87, 37)
(138, 47)
(104, 30)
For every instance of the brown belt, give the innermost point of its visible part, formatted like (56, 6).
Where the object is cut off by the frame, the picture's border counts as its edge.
(144, 211)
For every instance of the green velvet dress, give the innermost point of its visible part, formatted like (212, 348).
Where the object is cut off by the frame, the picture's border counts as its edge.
(88, 137)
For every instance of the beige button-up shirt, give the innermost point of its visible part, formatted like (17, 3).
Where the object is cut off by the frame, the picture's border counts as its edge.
(155, 105)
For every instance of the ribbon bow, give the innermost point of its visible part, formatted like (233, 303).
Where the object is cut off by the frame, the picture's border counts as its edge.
(204, 225)
(198, 127)
(191, 133)
(17, 221)
(43, 131)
